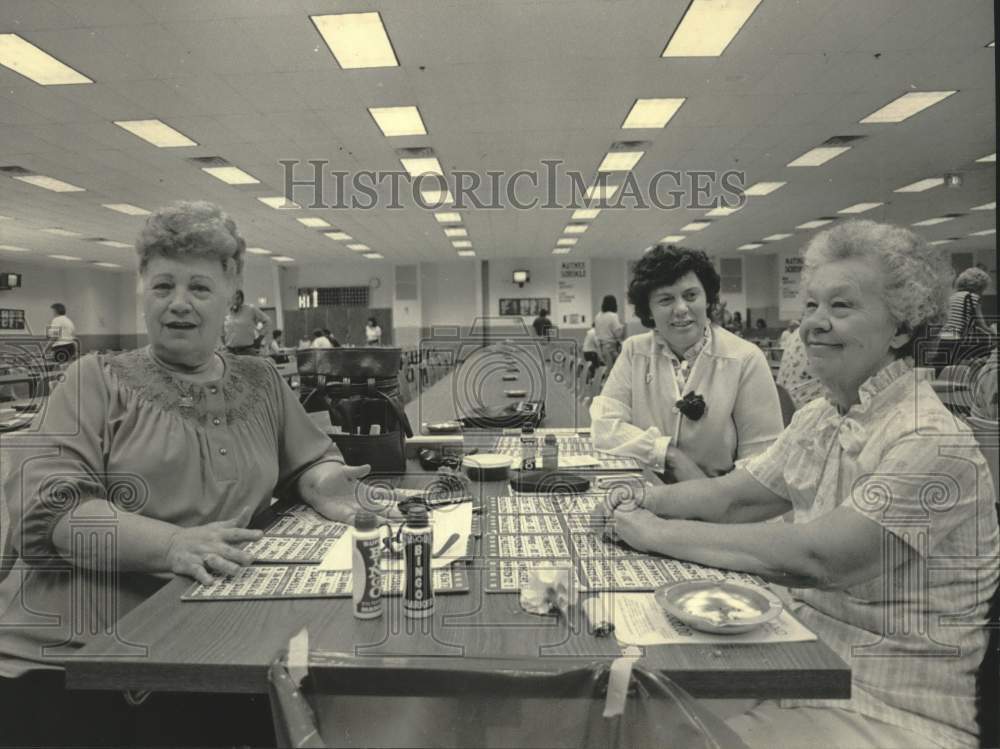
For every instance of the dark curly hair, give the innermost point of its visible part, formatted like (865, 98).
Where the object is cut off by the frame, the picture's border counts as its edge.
(664, 265)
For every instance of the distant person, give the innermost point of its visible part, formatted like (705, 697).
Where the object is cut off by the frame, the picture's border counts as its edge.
(373, 332)
(305, 341)
(319, 340)
(542, 324)
(735, 324)
(334, 343)
(591, 353)
(273, 347)
(609, 329)
(761, 324)
(789, 333)
(245, 327)
(965, 334)
(62, 331)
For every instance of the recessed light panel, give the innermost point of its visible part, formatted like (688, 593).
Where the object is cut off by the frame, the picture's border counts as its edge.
(36, 64)
(924, 184)
(338, 236)
(48, 183)
(576, 228)
(750, 246)
(708, 27)
(651, 113)
(819, 156)
(258, 251)
(157, 132)
(696, 226)
(126, 208)
(763, 188)
(448, 217)
(860, 207)
(906, 106)
(398, 121)
(815, 224)
(279, 202)
(357, 40)
(456, 232)
(585, 214)
(231, 175)
(313, 222)
(567, 241)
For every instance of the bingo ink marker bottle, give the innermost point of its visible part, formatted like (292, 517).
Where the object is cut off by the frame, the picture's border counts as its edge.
(418, 595)
(366, 572)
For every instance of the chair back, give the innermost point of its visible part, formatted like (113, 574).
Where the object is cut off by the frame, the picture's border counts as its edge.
(465, 701)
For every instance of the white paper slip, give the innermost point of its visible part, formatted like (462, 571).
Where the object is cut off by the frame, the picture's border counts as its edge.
(447, 521)
(639, 620)
(567, 461)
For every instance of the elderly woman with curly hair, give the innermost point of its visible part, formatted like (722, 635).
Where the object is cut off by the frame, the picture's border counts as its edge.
(688, 398)
(965, 334)
(176, 445)
(887, 490)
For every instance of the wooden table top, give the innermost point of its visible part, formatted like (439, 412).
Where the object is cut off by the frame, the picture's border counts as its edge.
(226, 646)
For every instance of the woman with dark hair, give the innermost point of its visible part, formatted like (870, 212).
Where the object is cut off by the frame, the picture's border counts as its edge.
(609, 329)
(688, 397)
(373, 333)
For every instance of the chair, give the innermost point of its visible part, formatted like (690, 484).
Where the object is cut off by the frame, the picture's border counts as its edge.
(444, 702)
(787, 405)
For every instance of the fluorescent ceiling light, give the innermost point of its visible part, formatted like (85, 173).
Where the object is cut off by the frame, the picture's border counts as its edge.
(988, 158)
(776, 237)
(283, 259)
(25, 58)
(425, 165)
(992, 44)
(673, 238)
(157, 132)
(62, 232)
(437, 197)
(113, 243)
(708, 27)
(374, 255)
(107, 265)
(461, 243)
(338, 236)
(279, 202)
(819, 156)
(650, 113)
(764, 188)
(722, 211)
(466, 253)
(906, 106)
(620, 161)
(940, 241)
(357, 40)
(585, 214)
(358, 247)
(933, 221)
(258, 251)
(986, 207)
(815, 224)
(313, 223)
(126, 208)
(49, 183)
(924, 184)
(65, 257)
(983, 233)
(231, 175)
(567, 241)
(456, 232)
(11, 248)
(575, 228)
(396, 121)
(859, 207)
(5, 218)
(696, 226)
(562, 251)
(448, 217)
(601, 192)
(750, 246)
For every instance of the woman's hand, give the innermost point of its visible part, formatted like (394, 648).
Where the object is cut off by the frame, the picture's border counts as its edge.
(635, 526)
(682, 467)
(206, 551)
(334, 491)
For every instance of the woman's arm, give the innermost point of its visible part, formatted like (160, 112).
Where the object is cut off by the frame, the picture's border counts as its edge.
(148, 545)
(734, 498)
(840, 549)
(757, 410)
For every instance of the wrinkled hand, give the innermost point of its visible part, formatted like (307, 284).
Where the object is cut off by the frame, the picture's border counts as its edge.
(334, 491)
(681, 466)
(633, 525)
(206, 551)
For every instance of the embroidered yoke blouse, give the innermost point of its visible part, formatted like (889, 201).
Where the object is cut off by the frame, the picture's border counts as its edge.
(124, 429)
(635, 415)
(914, 637)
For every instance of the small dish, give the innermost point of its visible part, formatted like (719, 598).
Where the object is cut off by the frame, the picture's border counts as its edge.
(719, 607)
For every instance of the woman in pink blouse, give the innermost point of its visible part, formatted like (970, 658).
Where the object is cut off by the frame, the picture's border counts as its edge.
(169, 449)
(891, 553)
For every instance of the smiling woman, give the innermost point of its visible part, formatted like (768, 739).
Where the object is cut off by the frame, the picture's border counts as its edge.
(173, 447)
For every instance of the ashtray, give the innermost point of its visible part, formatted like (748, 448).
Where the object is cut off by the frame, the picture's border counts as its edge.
(444, 427)
(719, 607)
(515, 393)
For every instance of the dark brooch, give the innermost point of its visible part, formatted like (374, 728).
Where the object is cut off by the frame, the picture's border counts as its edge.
(691, 405)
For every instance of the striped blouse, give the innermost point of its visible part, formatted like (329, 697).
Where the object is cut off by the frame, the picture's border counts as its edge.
(914, 637)
(960, 313)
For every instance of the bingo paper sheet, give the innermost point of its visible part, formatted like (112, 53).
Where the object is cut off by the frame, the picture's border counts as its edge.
(639, 620)
(298, 581)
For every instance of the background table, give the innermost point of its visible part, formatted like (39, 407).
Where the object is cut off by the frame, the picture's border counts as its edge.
(227, 646)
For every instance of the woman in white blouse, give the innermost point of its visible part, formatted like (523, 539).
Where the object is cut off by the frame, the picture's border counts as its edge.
(729, 405)
(887, 490)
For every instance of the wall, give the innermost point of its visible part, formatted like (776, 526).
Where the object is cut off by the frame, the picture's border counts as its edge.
(449, 293)
(93, 300)
(760, 286)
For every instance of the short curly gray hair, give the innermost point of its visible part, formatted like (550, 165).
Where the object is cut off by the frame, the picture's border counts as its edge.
(192, 229)
(916, 277)
(973, 279)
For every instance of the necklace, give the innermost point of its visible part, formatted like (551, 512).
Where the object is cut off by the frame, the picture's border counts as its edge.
(212, 369)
